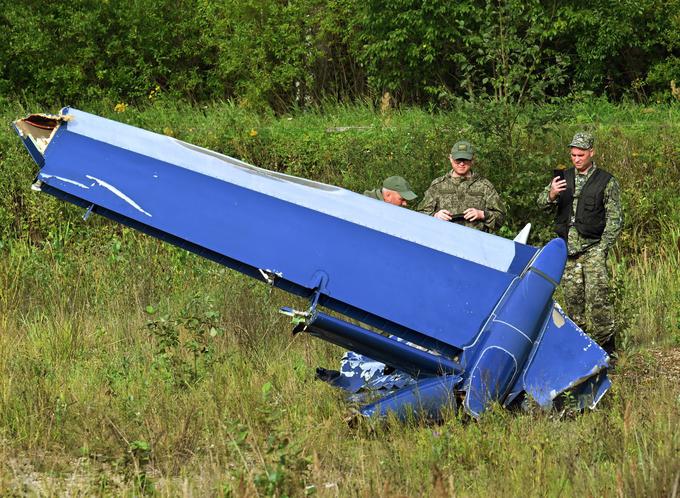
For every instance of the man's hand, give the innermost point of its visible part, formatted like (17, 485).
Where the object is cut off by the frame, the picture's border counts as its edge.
(472, 214)
(557, 186)
(443, 214)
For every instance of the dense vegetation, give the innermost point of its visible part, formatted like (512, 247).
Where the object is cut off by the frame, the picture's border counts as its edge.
(131, 367)
(272, 53)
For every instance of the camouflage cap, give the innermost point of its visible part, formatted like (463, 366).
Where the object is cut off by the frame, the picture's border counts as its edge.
(462, 150)
(582, 140)
(400, 185)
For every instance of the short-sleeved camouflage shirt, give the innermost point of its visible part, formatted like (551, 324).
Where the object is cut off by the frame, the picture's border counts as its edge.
(456, 194)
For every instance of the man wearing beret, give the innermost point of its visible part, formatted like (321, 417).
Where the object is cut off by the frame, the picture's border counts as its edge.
(589, 218)
(462, 196)
(395, 190)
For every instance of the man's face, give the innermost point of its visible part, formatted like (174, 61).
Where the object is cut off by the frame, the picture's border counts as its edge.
(581, 158)
(394, 198)
(461, 167)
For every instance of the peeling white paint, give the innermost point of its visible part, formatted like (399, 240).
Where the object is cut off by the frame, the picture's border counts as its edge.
(65, 180)
(557, 318)
(118, 193)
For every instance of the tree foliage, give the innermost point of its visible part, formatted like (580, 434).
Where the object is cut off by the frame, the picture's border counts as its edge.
(282, 54)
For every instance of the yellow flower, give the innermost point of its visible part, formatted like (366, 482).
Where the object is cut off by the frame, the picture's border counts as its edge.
(253, 132)
(168, 131)
(155, 92)
(120, 107)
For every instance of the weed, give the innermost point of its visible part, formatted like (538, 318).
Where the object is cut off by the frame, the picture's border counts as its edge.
(184, 350)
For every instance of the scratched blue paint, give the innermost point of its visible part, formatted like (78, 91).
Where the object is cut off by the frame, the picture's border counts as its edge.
(477, 307)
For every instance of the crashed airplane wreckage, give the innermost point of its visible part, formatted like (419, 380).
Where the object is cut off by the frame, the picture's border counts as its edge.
(468, 315)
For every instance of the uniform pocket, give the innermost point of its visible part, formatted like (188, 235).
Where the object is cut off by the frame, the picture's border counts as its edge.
(589, 204)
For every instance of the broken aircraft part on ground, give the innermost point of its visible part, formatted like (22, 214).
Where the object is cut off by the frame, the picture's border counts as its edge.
(478, 307)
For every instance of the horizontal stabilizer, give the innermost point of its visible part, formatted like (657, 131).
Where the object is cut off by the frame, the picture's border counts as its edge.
(564, 359)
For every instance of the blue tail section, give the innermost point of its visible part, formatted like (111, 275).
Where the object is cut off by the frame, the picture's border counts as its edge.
(505, 344)
(477, 310)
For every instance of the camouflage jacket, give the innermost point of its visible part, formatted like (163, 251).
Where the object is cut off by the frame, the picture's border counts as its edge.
(456, 194)
(576, 242)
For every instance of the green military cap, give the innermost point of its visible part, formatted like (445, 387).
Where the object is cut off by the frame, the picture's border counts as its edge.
(462, 150)
(582, 140)
(400, 185)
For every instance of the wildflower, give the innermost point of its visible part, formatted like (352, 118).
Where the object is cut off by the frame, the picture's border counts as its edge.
(253, 132)
(120, 107)
(155, 92)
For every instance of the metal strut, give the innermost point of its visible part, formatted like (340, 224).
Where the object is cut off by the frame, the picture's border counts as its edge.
(302, 318)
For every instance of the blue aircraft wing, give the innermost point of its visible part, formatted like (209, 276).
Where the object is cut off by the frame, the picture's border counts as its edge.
(437, 285)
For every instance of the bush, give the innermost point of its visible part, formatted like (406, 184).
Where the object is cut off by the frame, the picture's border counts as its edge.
(287, 55)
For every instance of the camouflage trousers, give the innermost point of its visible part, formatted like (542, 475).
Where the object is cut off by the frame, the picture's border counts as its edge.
(587, 294)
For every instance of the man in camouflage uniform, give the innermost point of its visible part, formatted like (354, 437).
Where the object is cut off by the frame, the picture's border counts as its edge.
(589, 218)
(462, 196)
(395, 190)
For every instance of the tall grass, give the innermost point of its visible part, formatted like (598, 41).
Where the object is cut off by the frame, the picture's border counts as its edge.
(129, 367)
(648, 292)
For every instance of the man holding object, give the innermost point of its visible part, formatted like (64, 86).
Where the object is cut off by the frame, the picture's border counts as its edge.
(589, 218)
(462, 196)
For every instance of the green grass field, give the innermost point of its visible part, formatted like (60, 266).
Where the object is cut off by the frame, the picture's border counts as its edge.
(129, 367)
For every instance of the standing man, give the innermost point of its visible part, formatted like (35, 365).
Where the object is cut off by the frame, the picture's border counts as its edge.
(395, 190)
(589, 218)
(462, 196)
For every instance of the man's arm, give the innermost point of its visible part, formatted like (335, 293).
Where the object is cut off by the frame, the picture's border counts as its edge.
(543, 200)
(428, 205)
(494, 214)
(548, 197)
(614, 214)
